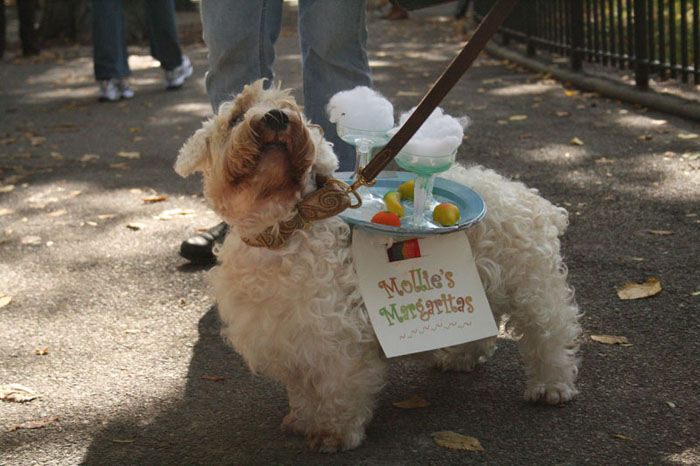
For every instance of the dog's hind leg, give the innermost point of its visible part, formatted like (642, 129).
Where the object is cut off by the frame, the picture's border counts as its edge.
(545, 317)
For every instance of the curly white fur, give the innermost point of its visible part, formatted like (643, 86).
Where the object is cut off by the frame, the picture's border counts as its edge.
(296, 315)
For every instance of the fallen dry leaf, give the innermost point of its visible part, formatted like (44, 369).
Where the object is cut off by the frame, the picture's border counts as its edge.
(632, 258)
(157, 198)
(611, 340)
(7, 188)
(645, 137)
(135, 226)
(455, 441)
(175, 213)
(5, 211)
(659, 232)
(576, 142)
(135, 129)
(604, 160)
(517, 117)
(57, 213)
(106, 216)
(120, 166)
(631, 290)
(213, 378)
(408, 94)
(687, 136)
(89, 157)
(116, 440)
(36, 140)
(5, 300)
(413, 402)
(562, 114)
(33, 424)
(31, 240)
(621, 437)
(129, 155)
(42, 351)
(17, 393)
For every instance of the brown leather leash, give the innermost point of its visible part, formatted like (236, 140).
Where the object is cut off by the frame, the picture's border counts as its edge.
(333, 196)
(459, 65)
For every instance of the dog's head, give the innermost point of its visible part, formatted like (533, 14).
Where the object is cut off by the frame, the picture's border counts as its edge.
(258, 157)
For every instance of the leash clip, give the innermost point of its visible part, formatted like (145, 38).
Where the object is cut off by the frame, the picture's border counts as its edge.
(359, 182)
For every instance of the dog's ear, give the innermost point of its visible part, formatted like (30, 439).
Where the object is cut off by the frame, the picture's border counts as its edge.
(326, 161)
(194, 154)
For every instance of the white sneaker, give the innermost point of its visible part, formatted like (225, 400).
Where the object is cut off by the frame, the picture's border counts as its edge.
(114, 89)
(176, 77)
(109, 91)
(125, 88)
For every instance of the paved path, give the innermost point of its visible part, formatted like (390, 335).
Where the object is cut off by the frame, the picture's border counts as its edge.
(134, 369)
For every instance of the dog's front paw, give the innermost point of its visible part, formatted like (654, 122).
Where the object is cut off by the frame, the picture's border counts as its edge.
(551, 393)
(293, 425)
(331, 442)
(324, 442)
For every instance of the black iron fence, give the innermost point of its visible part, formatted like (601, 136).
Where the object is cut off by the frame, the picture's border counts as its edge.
(651, 37)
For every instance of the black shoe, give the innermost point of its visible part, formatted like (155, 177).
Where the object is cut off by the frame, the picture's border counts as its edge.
(198, 249)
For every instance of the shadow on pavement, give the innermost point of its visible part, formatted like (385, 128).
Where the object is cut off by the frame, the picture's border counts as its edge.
(226, 415)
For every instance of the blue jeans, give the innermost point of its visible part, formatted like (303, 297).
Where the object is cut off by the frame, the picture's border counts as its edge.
(241, 36)
(109, 41)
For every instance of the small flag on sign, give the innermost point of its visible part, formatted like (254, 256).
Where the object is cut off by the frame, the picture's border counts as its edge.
(404, 250)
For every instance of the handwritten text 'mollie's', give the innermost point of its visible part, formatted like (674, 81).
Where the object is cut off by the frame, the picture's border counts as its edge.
(420, 281)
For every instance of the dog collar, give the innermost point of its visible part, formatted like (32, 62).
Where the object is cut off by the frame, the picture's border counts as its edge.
(328, 200)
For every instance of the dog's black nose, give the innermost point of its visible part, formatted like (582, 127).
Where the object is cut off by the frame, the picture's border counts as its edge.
(276, 120)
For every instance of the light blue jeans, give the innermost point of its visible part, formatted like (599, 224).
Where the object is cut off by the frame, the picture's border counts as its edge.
(241, 36)
(110, 54)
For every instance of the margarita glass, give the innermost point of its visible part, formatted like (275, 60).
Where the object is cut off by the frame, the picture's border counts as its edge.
(364, 141)
(425, 167)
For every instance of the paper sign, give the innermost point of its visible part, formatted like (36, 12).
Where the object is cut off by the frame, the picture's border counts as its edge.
(421, 294)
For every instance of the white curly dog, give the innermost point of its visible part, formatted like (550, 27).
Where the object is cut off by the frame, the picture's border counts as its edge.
(295, 313)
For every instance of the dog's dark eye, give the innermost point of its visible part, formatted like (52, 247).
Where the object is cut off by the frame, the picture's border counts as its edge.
(235, 120)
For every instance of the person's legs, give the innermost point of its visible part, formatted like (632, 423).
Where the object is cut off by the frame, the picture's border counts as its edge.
(109, 42)
(461, 8)
(396, 12)
(26, 10)
(3, 28)
(162, 32)
(241, 37)
(333, 38)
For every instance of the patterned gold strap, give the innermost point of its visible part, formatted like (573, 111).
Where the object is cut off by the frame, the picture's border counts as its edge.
(327, 201)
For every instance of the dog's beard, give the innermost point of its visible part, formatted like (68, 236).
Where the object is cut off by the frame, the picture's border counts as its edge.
(271, 164)
(275, 173)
